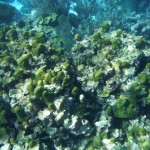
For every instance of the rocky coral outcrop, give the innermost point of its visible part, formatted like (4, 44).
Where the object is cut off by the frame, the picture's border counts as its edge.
(95, 97)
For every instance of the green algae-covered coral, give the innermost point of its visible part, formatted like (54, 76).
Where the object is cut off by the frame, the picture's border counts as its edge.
(12, 140)
(96, 36)
(142, 78)
(98, 75)
(105, 26)
(48, 98)
(145, 145)
(60, 76)
(40, 73)
(116, 43)
(77, 37)
(135, 87)
(74, 91)
(40, 37)
(21, 115)
(19, 74)
(32, 144)
(5, 132)
(23, 61)
(31, 86)
(97, 141)
(66, 81)
(39, 49)
(126, 106)
(135, 132)
(48, 76)
(49, 20)
(106, 41)
(38, 91)
(93, 100)
(12, 34)
(119, 32)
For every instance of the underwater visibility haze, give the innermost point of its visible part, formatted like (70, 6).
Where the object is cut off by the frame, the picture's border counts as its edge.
(74, 75)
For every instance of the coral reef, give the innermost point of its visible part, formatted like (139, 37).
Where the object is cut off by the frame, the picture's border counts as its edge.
(83, 100)
(56, 95)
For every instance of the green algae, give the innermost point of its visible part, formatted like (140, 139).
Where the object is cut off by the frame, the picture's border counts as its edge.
(96, 36)
(39, 49)
(119, 32)
(40, 73)
(74, 91)
(98, 75)
(38, 91)
(126, 106)
(116, 43)
(77, 37)
(105, 26)
(97, 141)
(21, 115)
(12, 35)
(23, 61)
